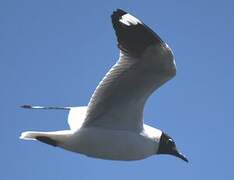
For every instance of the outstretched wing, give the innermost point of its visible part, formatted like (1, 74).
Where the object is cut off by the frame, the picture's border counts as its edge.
(145, 63)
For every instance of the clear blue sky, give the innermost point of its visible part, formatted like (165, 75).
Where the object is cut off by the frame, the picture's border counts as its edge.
(55, 53)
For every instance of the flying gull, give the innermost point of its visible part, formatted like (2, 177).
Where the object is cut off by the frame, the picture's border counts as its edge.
(111, 125)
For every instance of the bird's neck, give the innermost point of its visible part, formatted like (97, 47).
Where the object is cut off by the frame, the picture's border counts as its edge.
(153, 132)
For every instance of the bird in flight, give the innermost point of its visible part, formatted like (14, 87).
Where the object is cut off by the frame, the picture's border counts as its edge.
(111, 126)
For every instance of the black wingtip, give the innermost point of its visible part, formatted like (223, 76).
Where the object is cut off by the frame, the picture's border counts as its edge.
(118, 13)
(26, 106)
(132, 34)
(116, 16)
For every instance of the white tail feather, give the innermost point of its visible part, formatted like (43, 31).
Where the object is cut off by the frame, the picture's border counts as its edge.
(30, 135)
(56, 135)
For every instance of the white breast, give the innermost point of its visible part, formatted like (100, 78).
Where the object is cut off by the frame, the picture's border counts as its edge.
(111, 144)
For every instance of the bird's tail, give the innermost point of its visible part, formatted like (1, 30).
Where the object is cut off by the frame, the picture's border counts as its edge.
(51, 138)
(31, 135)
(40, 136)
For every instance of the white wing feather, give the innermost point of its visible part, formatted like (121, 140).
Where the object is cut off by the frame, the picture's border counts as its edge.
(76, 117)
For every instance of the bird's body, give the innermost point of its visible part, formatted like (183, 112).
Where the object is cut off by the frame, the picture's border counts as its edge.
(104, 143)
(113, 144)
(111, 126)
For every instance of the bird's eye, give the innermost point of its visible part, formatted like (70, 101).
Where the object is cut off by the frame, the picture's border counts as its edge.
(171, 142)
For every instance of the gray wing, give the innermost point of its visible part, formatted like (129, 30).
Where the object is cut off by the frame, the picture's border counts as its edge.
(145, 63)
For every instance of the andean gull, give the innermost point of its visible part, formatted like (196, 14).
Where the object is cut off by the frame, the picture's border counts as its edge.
(111, 126)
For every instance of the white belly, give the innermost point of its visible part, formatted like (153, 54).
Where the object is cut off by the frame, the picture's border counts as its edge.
(111, 144)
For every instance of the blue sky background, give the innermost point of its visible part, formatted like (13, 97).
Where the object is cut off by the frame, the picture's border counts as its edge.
(56, 52)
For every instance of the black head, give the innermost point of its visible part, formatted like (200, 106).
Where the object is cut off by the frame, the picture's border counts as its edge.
(167, 146)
